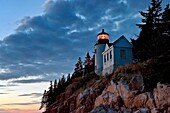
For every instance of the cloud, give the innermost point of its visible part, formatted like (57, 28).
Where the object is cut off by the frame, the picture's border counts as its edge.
(4, 71)
(23, 104)
(52, 42)
(80, 16)
(3, 93)
(3, 110)
(34, 95)
(45, 77)
(122, 1)
(2, 85)
(30, 81)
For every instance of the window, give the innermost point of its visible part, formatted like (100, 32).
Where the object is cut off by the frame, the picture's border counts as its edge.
(122, 54)
(104, 58)
(107, 56)
(110, 54)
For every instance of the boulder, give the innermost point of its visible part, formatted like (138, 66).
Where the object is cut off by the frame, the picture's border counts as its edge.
(162, 96)
(150, 101)
(168, 110)
(108, 99)
(80, 110)
(136, 83)
(103, 109)
(126, 95)
(155, 110)
(142, 110)
(144, 100)
(140, 100)
(86, 98)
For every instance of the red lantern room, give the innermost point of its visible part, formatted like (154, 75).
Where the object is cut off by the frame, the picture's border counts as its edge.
(103, 37)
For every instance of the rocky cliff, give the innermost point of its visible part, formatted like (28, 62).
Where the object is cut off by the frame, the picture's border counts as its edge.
(127, 94)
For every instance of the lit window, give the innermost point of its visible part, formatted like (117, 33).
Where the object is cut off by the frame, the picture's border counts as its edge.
(122, 54)
(104, 58)
(110, 54)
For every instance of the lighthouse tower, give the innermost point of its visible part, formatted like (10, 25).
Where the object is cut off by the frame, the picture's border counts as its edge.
(103, 39)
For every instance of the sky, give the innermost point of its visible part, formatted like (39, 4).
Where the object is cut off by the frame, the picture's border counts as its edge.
(41, 40)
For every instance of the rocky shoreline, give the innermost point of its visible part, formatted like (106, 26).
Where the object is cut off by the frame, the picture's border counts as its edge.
(104, 95)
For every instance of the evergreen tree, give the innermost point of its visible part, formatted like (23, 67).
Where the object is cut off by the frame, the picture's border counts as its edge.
(50, 94)
(59, 86)
(68, 79)
(87, 62)
(63, 80)
(78, 65)
(63, 84)
(44, 100)
(147, 44)
(55, 87)
(166, 21)
(93, 63)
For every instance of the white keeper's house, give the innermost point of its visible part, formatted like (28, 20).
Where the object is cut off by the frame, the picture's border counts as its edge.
(108, 55)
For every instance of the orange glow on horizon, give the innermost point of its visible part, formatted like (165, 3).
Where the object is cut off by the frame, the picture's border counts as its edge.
(21, 111)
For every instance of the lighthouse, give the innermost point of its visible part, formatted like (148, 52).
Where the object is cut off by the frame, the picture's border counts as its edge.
(102, 40)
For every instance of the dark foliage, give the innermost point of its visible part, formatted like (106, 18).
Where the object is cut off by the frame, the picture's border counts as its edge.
(88, 63)
(154, 38)
(49, 96)
(152, 45)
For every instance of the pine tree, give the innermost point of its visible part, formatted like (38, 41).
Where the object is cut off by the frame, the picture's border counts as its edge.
(44, 100)
(55, 87)
(166, 33)
(59, 86)
(147, 44)
(68, 79)
(92, 63)
(50, 94)
(78, 65)
(166, 21)
(63, 80)
(87, 62)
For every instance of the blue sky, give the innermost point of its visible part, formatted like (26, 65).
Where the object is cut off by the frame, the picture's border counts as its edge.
(42, 39)
(12, 11)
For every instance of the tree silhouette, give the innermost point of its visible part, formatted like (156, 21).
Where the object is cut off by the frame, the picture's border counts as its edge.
(49, 96)
(55, 89)
(44, 100)
(87, 62)
(78, 65)
(68, 79)
(150, 42)
(166, 21)
(153, 43)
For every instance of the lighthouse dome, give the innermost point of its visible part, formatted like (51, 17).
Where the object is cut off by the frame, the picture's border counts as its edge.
(103, 37)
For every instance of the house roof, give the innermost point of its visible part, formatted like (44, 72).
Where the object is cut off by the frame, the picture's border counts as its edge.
(122, 41)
